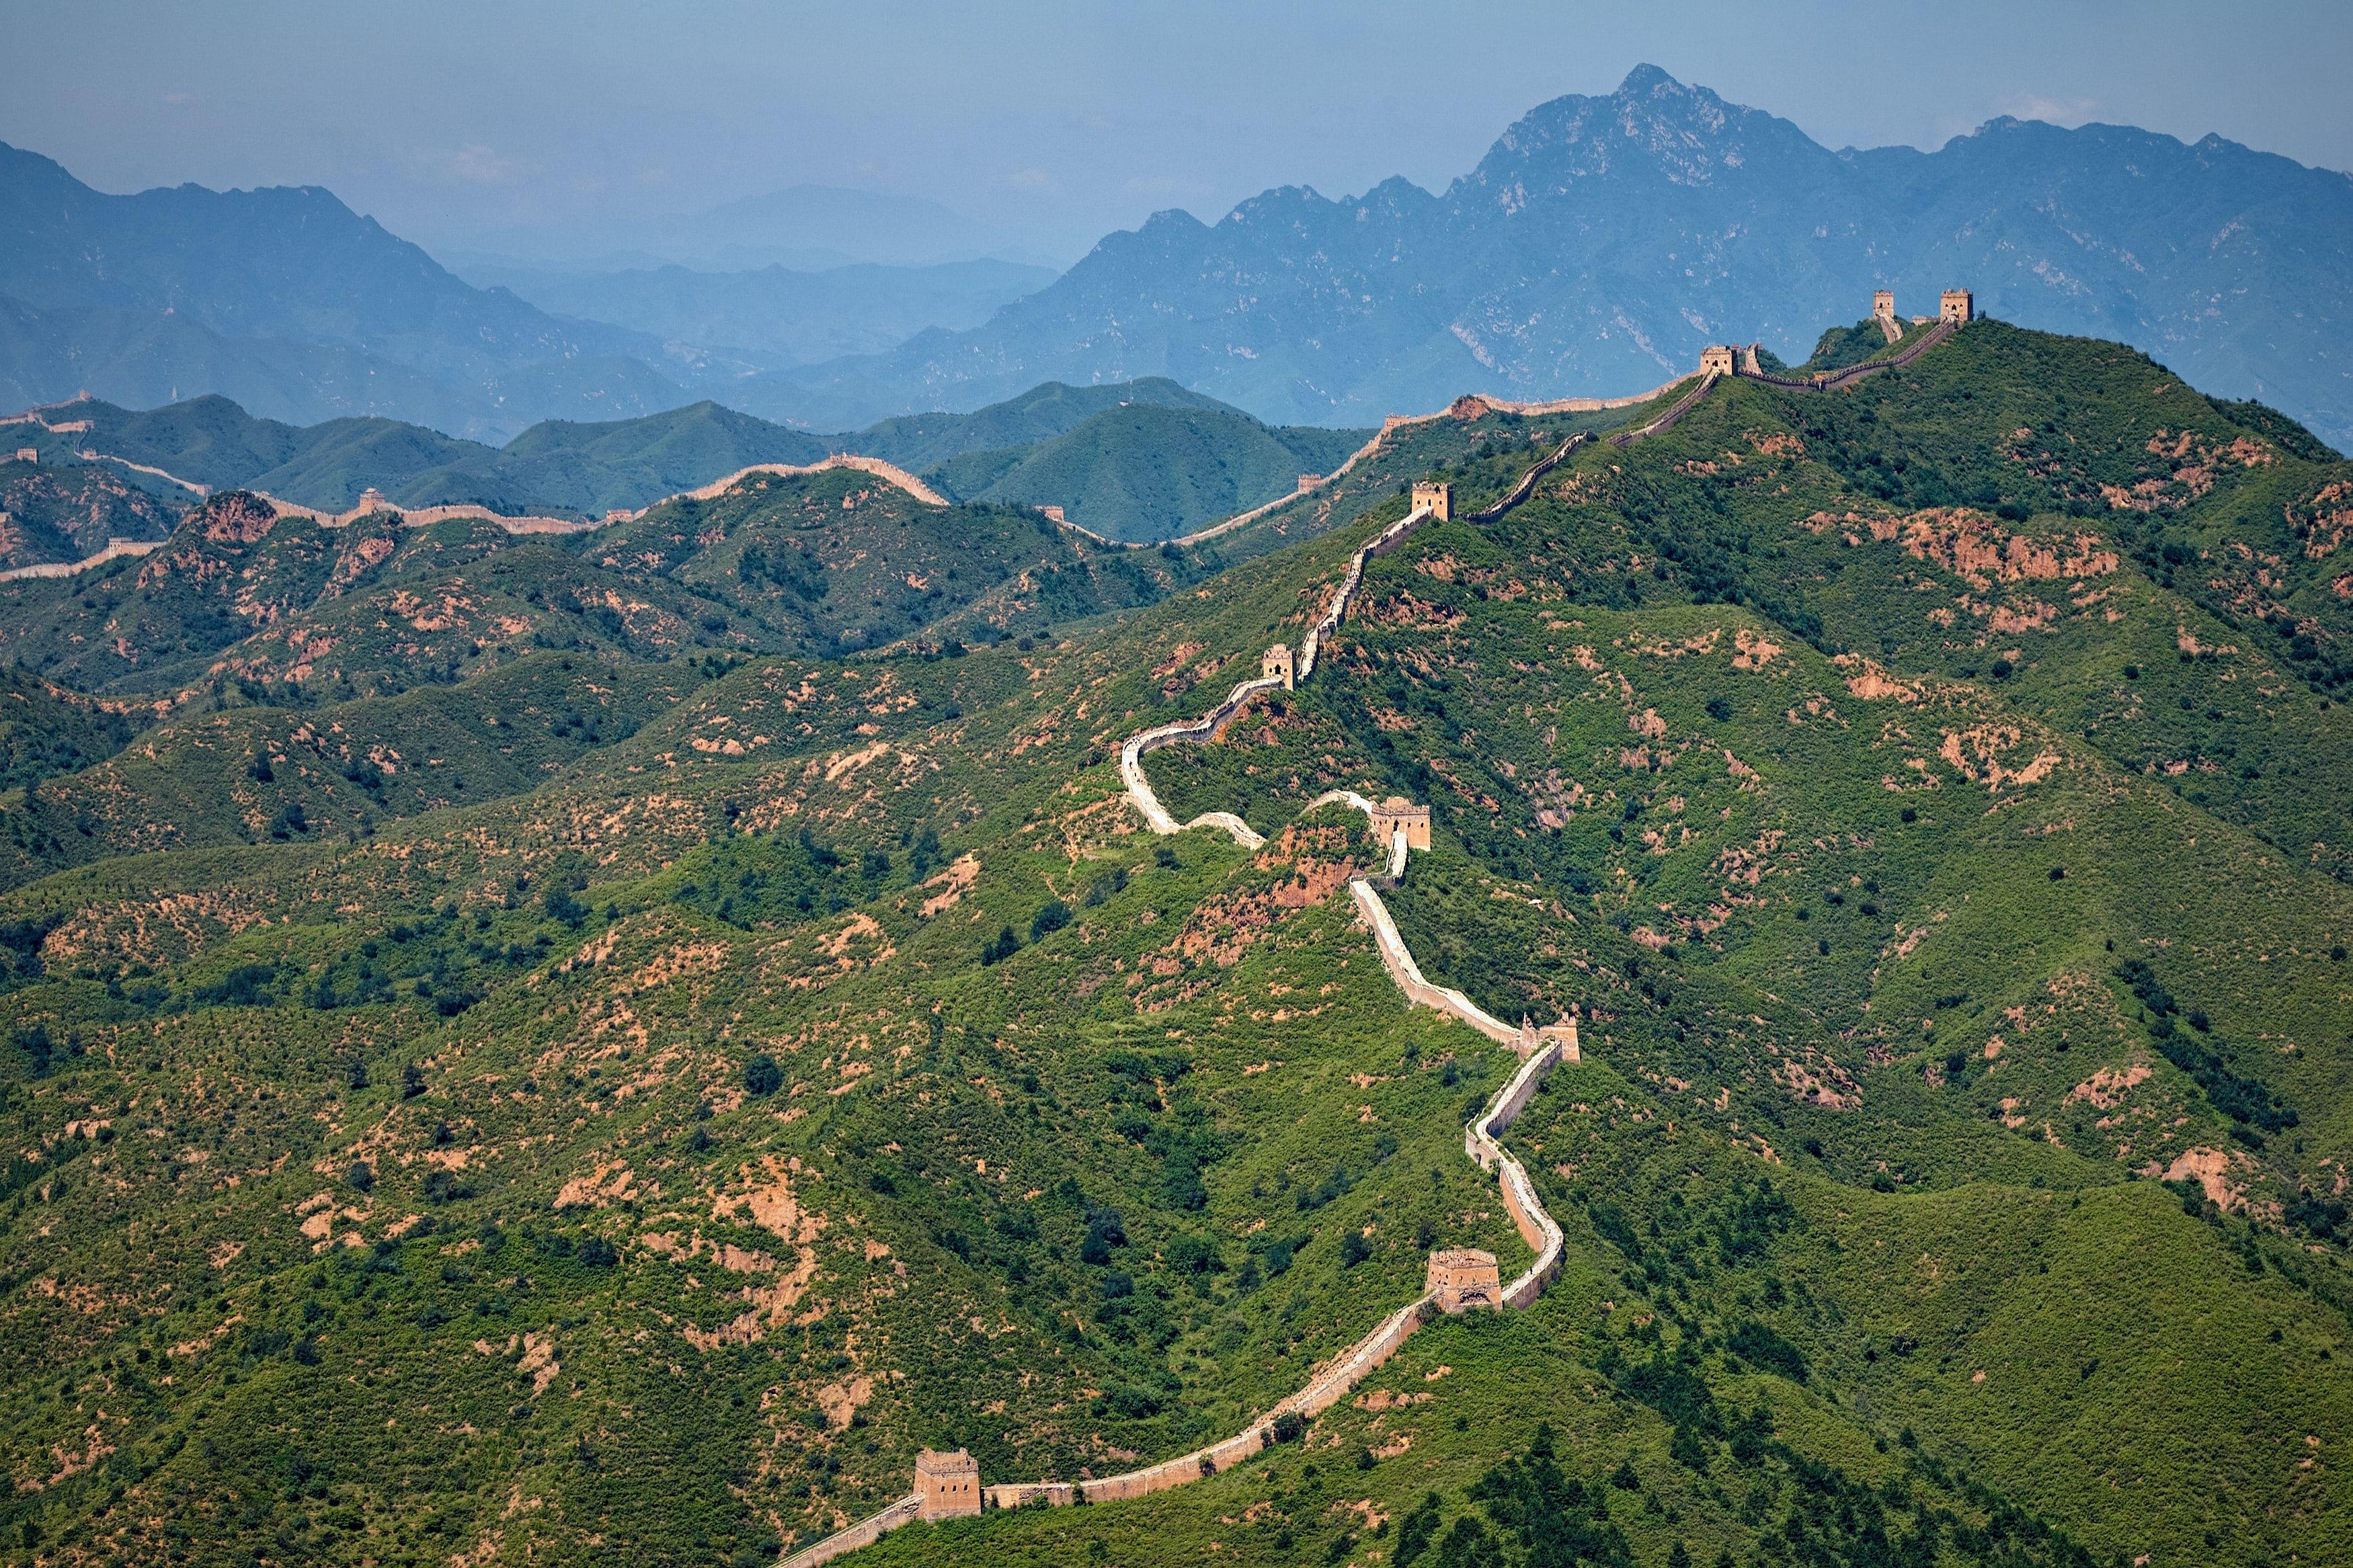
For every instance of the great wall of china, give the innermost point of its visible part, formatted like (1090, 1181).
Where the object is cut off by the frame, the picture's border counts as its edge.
(372, 502)
(943, 1489)
(947, 1485)
(1956, 308)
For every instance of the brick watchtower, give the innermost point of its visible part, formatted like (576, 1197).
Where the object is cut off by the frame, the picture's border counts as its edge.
(948, 1484)
(1397, 812)
(1464, 1277)
(1716, 358)
(1280, 663)
(1957, 306)
(1882, 304)
(1439, 497)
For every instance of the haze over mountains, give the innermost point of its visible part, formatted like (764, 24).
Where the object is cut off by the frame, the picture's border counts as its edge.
(1597, 245)
(1603, 240)
(775, 313)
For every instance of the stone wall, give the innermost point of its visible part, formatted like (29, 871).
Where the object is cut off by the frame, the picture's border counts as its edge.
(1831, 379)
(1572, 404)
(865, 1532)
(1022, 1494)
(1666, 421)
(1540, 1051)
(1407, 975)
(1335, 1379)
(1528, 1210)
(115, 550)
(424, 516)
(874, 466)
(1201, 730)
(89, 457)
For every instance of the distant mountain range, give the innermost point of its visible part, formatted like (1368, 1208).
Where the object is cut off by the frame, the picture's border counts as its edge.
(1598, 244)
(302, 311)
(1138, 460)
(774, 314)
(1603, 240)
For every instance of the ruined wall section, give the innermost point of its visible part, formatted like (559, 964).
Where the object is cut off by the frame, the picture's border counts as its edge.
(1666, 421)
(426, 516)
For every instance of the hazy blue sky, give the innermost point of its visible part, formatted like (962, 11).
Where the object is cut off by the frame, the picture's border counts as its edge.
(1059, 120)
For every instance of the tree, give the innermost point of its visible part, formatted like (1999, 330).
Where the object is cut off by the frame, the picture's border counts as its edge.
(762, 1076)
(562, 906)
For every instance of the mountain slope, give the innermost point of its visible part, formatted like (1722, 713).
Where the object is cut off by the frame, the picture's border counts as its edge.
(923, 442)
(1602, 241)
(53, 514)
(582, 468)
(830, 1068)
(282, 299)
(1150, 472)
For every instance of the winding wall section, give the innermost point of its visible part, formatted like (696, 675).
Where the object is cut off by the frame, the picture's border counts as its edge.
(424, 516)
(1539, 1050)
(1847, 375)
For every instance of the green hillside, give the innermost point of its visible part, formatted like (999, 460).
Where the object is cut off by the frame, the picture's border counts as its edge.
(50, 514)
(209, 441)
(45, 729)
(578, 470)
(829, 562)
(1147, 472)
(786, 1051)
(923, 442)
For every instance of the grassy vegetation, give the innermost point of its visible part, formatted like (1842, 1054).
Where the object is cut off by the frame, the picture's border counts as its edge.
(1145, 484)
(770, 1063)
(1147, 472)
(66, 513)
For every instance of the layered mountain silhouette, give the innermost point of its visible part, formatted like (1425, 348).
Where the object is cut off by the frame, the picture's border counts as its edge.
(1597, 245)
(1603, 240)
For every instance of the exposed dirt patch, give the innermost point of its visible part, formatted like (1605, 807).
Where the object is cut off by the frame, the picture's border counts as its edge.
(952, 884)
